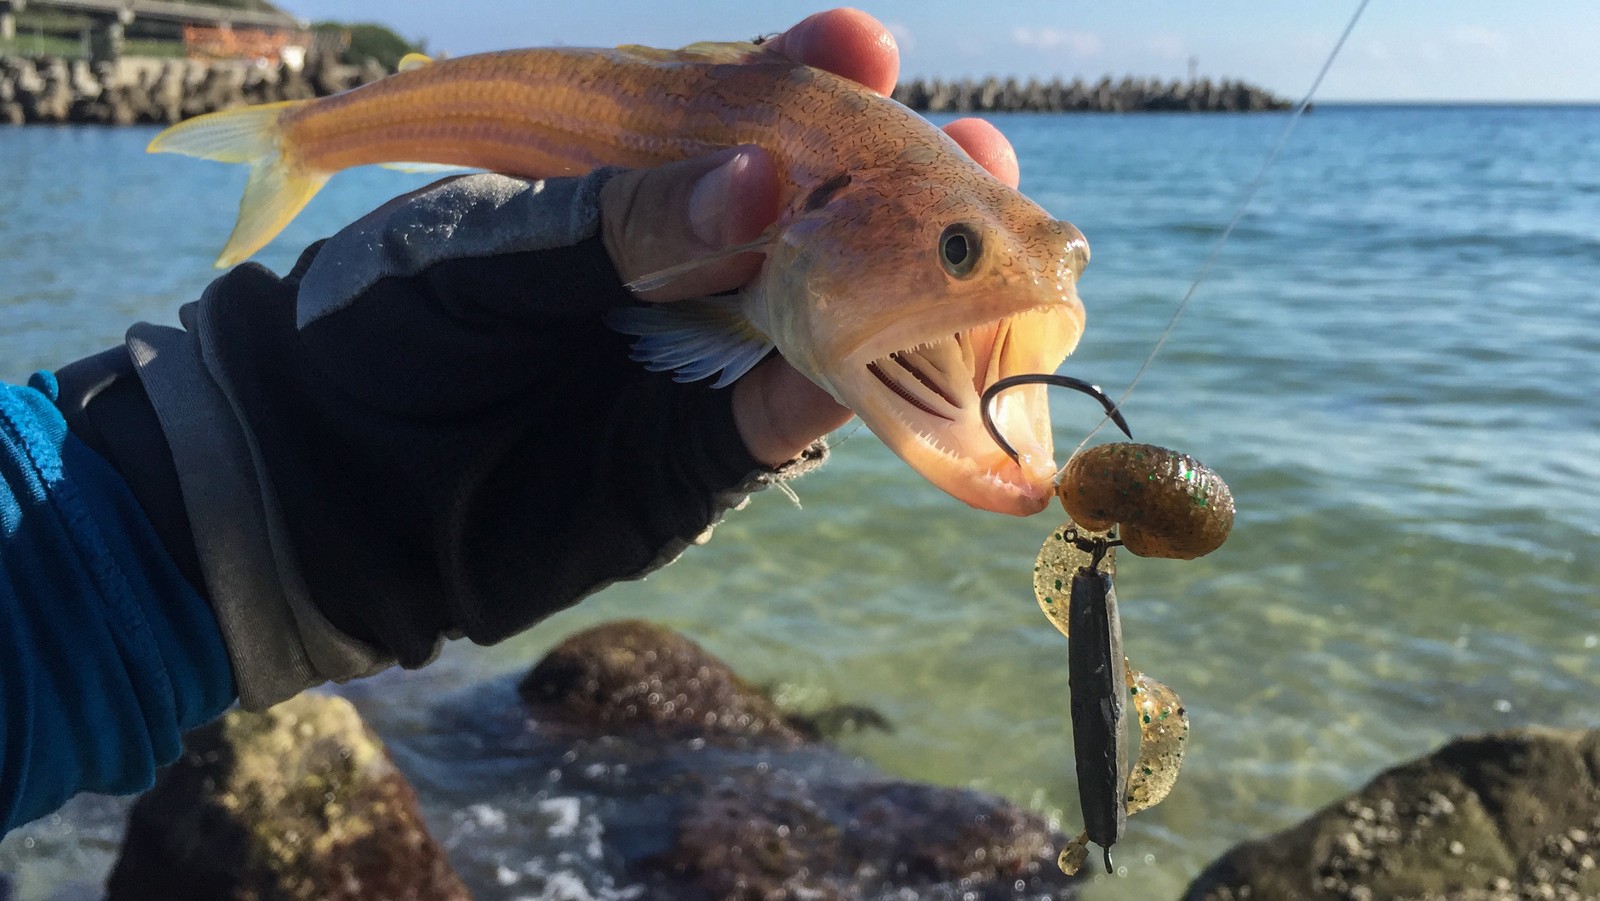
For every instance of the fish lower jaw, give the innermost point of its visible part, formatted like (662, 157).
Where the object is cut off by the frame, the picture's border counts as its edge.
(967, 466)
(925, 403)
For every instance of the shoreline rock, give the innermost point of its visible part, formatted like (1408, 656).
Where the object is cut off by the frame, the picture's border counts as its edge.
(1500, 817)
(628, 763)
(298, 802)
(751, 807)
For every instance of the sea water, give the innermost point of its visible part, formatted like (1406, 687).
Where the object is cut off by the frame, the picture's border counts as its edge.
(1395, 364)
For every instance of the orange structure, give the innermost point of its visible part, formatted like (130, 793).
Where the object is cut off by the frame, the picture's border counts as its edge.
(224, 42)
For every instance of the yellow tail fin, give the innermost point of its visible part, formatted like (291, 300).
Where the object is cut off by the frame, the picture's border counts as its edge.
(277, 189)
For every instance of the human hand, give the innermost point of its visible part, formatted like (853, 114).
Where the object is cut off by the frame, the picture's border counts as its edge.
(652, 219)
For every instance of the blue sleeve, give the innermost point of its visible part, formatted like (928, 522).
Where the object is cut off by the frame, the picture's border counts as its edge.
(106, 653)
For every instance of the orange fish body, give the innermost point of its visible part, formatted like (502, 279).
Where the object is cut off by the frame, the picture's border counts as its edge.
(901, 276)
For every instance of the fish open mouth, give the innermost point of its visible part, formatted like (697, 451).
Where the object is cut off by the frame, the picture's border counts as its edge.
(924, 402)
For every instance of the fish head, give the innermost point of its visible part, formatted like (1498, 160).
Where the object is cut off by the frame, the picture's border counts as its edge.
(906, 308)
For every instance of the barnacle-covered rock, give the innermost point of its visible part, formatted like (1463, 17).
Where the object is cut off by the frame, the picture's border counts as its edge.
(1509, 815)
(298, 802)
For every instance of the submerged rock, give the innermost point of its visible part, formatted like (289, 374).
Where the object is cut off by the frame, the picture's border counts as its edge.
(299, 802)
(773, 836)
(629, 763)
(702, 789)
(638, 675)
(1510, 815)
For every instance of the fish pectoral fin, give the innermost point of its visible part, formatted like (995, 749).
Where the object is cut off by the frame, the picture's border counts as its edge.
(413, 61)
(663, 277)
(693, 339)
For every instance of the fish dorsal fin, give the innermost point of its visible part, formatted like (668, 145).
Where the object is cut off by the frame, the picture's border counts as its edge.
(700, 52)
(693, 339)
(413, 61)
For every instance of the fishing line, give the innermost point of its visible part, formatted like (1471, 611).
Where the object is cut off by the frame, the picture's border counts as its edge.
(1222, 239)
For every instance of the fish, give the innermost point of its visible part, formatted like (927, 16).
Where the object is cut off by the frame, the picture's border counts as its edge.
(901, 276)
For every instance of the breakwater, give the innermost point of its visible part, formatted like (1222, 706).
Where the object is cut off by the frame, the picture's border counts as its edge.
(1130, 95)
(51, 90)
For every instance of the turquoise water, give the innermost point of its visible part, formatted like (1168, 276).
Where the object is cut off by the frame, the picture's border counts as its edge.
(1394, 364)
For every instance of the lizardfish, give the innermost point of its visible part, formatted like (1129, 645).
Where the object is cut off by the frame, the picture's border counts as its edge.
(901, 276)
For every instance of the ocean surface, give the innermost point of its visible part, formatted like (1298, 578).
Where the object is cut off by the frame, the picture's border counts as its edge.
(1395, 363)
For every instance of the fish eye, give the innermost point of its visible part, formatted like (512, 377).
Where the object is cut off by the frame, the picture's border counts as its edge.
(959, 247)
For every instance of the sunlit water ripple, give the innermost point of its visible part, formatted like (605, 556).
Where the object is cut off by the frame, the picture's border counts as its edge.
(1394, 365)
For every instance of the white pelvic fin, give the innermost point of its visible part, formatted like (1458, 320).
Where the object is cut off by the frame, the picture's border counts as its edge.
(413, 61)
(694, 339)
(428, 168)
(663, 277)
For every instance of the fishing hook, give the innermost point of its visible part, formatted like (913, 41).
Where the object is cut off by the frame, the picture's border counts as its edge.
(1044, 378)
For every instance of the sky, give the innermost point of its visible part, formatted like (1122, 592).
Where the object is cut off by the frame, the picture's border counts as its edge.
(1451, 50)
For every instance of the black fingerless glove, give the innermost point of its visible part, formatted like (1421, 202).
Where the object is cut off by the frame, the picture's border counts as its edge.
(425, 430)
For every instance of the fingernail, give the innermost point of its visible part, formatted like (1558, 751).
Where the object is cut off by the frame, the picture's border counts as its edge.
(710, 201)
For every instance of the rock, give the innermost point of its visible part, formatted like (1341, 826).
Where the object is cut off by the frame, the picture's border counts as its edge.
(299, 802)
(1508, 815)
(166, 94)
(777, 837)
(703, 789)
(371, 70)
(990, 95)
(634, 674)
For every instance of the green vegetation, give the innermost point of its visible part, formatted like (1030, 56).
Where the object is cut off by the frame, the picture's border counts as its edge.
(371, 41)
(25, 44)
(73, 47)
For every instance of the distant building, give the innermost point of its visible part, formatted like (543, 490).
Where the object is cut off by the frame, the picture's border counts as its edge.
(261, 31)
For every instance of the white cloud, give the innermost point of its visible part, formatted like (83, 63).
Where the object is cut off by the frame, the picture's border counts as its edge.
(1377, 50)
(1477, 37)
(1078, 43)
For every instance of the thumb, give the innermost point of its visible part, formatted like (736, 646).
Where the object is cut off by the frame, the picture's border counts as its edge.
(654, 219)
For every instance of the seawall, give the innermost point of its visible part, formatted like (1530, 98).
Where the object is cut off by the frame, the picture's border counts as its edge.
(1129, 95)
(49, 90)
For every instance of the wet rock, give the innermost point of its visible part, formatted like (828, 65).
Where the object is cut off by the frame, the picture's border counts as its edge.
(300, 802)
(634, 674)
(777, 837)
(1510, 815)
(702, 789)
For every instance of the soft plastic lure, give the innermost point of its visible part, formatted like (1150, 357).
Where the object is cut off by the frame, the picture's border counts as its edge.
(1177, 508)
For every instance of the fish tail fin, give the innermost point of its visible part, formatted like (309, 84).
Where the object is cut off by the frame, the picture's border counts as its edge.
(278, 188)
